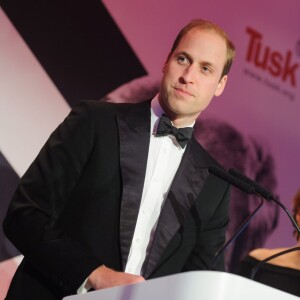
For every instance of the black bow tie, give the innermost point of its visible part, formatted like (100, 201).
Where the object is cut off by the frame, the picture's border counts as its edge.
(182, 135)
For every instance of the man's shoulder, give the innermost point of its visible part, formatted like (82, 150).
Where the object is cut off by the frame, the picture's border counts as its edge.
(113, 107)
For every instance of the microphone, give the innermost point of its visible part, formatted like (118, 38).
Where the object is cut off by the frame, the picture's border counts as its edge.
(261, 263)
(264, 193)
(258, 189)
(247, 188)
(240, 184)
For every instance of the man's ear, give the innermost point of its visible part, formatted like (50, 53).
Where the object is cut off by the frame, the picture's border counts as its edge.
(221, 86)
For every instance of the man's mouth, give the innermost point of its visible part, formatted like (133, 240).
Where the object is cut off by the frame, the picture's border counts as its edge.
(182, 91)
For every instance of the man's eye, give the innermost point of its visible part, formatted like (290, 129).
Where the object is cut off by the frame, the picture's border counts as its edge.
(206, 69)
(182, 59)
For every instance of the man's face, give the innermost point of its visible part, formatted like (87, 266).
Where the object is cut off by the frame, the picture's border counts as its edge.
(192, 75)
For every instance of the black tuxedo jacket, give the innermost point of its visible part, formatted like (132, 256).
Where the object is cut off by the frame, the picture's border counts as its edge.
(76, 206)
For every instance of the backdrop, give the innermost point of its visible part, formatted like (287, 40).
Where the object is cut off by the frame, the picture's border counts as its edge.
(54, 54)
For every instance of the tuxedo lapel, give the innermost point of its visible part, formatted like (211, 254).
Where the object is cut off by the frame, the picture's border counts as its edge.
(134, 133)
(187, 184)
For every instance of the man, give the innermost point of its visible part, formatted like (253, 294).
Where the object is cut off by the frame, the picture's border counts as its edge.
(111, 200)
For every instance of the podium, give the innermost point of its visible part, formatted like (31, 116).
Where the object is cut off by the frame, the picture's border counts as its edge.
(195, 285)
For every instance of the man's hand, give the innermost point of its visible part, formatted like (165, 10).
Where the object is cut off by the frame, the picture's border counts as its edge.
(104, 277)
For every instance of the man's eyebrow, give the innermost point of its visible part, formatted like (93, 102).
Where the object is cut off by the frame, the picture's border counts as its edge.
(184, 54)
(189, 57)
(207, 63)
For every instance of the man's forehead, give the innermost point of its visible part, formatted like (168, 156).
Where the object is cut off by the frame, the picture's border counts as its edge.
(206, 40)
(202, 34)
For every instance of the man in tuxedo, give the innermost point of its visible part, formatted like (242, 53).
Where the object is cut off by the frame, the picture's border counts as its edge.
(121, 192)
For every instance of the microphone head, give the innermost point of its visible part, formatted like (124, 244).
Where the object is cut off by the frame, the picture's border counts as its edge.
(258, 189)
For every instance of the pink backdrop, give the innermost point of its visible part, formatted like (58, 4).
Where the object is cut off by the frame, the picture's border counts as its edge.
(261, 98)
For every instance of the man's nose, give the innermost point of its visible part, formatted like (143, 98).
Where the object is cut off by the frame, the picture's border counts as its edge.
(188, 75)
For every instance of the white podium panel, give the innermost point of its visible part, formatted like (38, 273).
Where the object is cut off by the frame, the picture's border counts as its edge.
(196, 285)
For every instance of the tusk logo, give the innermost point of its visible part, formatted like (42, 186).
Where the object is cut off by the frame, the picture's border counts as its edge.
(274, 62)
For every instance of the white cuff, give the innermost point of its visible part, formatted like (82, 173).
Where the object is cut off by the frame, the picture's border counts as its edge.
(84, 288)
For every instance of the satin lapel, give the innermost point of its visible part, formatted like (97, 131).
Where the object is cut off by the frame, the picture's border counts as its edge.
(186, 186)
(134, 132)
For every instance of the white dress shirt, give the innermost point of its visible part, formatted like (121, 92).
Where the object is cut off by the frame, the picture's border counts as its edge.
(164, 157)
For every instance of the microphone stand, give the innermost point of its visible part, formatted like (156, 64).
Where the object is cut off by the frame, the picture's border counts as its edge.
(236, 234)
(265, 194)
(250, 187)
(288, 213)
